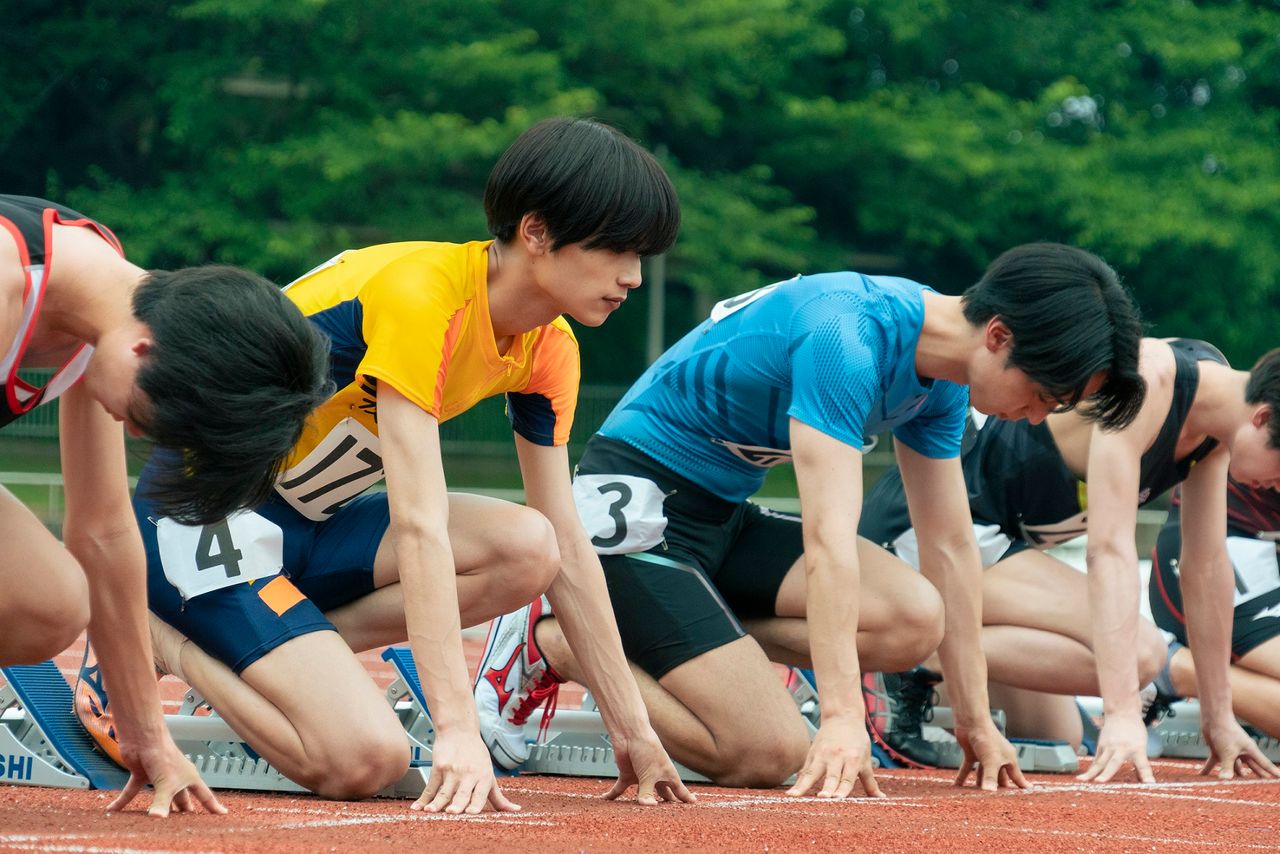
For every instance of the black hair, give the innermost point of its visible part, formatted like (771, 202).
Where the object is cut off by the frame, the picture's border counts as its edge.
(1070, 318)
(233, 372)
(590, 184)
(1264, 387)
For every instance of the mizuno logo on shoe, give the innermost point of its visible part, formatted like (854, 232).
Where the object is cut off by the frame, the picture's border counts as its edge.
(497, 677)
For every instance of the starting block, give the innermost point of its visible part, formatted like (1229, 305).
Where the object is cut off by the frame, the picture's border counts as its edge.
(41, 741)
(1180, 737)
(43, 744)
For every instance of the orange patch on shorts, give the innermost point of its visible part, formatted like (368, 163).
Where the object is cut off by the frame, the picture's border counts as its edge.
(280, 595)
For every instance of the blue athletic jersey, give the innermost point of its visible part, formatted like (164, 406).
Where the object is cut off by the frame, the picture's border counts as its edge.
(835, 351)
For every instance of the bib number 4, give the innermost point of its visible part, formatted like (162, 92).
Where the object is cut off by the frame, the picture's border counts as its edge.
(198, 559)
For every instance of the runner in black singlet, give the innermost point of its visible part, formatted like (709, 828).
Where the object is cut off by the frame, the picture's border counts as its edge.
(1027, 492)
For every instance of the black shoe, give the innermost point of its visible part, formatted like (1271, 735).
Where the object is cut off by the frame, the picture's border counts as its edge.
(911, 698)
(1156, 705)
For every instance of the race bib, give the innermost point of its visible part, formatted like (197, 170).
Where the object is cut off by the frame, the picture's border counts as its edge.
(198, 559)
(622, 514)
(724, 308)
(345, 463)
(1255, 565)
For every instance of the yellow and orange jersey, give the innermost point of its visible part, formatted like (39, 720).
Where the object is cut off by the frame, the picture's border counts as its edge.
(416, 315)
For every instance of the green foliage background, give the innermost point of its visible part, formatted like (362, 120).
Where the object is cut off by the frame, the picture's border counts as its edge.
(919, 137)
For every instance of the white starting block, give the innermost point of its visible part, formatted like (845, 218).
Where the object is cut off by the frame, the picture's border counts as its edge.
(1178, 734)
(42, 742)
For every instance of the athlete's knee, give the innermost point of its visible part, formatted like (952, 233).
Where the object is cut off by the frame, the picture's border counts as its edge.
(531, 558)
(45, 622)
(918, 622)
(764, 761)
(367, 763)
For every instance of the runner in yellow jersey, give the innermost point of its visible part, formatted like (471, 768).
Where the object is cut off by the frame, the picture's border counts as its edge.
(420, 331)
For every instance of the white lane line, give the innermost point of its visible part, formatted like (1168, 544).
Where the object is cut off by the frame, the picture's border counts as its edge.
(407, 815)
(393, 819)
(1208, 799)
(1127, 837)
(737, 801)
(1141, 787)
(741, 803)
(62, 842)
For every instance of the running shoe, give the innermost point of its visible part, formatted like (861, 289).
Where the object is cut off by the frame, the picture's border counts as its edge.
(514, 679)
(898, 706)
(91, 706)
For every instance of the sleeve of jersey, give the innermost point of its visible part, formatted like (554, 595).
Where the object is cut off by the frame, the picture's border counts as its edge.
(412, 319)
(938, 429)
(543, 411)
(835, 379)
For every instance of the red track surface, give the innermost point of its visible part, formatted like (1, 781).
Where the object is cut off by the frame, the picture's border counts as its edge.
(1182, 812)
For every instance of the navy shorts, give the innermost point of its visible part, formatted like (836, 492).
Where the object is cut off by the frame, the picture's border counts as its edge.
(1257, 595)
(718, 562)
(325, 564)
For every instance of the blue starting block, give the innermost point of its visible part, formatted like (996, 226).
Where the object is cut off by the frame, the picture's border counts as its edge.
(41, 741)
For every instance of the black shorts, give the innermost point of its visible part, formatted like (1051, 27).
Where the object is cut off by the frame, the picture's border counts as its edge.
(1257, 598)
(717, 562)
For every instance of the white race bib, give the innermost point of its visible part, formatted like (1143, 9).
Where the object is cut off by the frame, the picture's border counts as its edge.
(1256, 569)
(622, 513)
(199, 559)
(345, 463)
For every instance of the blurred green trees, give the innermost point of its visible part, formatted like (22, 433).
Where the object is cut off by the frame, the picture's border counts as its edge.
(919, 137)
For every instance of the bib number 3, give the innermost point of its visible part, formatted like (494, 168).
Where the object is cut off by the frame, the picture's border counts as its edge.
(622, 514)
(198, 559)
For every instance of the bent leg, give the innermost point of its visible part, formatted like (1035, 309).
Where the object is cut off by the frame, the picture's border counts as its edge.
(900, 618)
(44, 595)
(1037, 627)
(724, 713)
(1255, 684)
(505, 556)
(268, 661)
(308, 707)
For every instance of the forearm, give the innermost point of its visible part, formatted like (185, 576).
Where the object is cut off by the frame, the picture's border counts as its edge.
(832, 602)
(1207, 587)
(957, 574)
(116, 569)
(1113, 602)
(434, 626)
(580, 600)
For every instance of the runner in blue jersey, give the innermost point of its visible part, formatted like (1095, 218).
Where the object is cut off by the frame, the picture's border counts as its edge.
(709, 587)
(835, 351)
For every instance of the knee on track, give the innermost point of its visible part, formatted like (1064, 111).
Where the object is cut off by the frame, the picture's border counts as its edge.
(363, 766)
(761, 763)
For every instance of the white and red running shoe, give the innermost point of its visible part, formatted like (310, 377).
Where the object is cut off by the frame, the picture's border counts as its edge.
(514, 679)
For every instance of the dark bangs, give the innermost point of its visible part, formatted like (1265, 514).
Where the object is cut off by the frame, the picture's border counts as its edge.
(590, 184)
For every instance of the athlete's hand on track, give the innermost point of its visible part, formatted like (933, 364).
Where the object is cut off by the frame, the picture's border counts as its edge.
(1123, 739)
(462, 778)
(176, 782)
(642, 762)
(838, 759)
(990, 756)
(1231, 746)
